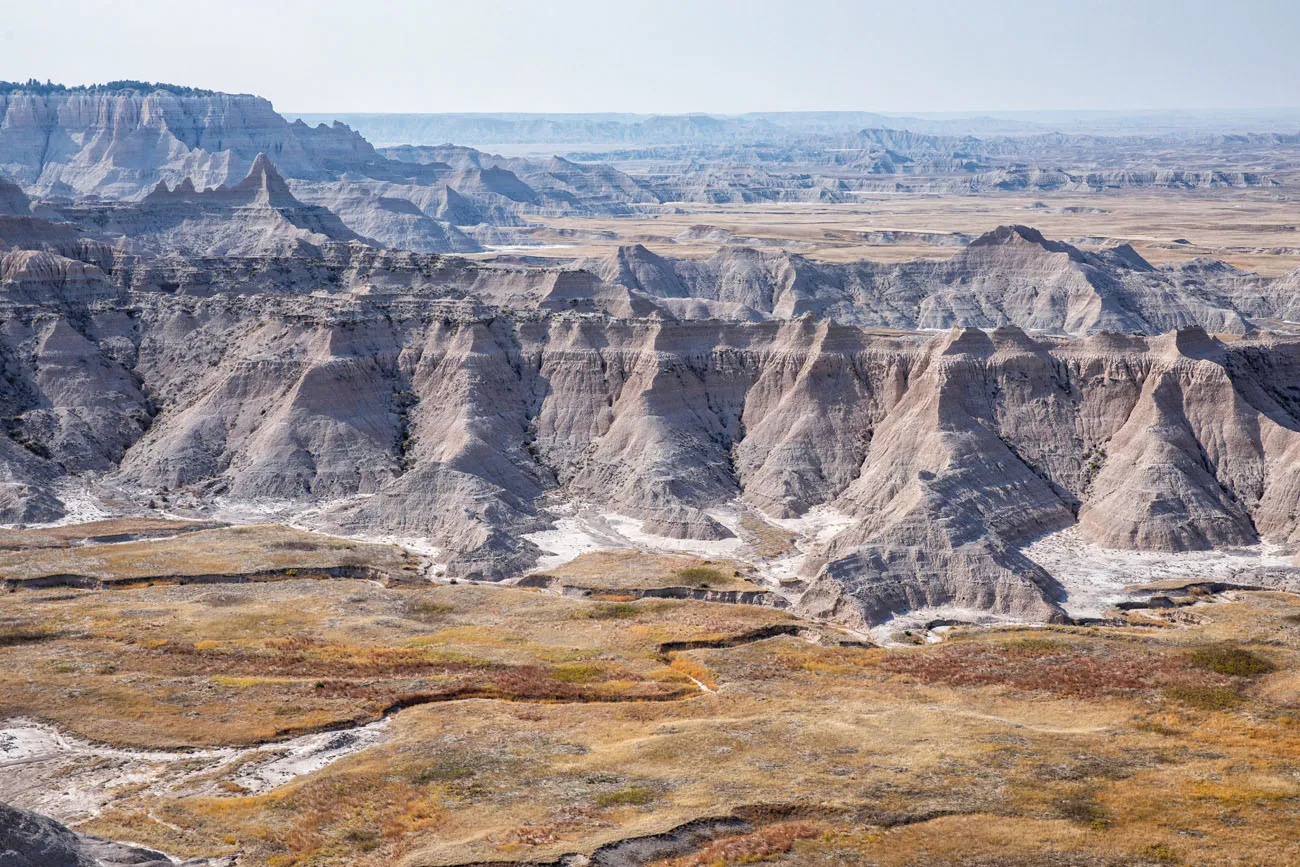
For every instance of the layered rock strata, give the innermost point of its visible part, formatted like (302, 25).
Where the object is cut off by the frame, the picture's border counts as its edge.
(428, 396)
(420, 409)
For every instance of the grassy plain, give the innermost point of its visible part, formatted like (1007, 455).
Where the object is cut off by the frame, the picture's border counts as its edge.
(614, 571)
(1250, 228)
(541, 726)
(178, 551)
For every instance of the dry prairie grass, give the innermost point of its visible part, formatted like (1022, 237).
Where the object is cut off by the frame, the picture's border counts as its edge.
(1064, 668)
(221, 551)
(1064, 746)
(199, 665)
(768, 540)
(1252, 229)
(637, 570)
(99, 531)
(765, 844)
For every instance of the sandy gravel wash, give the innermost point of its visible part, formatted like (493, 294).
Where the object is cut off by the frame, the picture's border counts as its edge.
(70, 779)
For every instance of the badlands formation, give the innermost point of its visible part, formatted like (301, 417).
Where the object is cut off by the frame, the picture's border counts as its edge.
(202, 348)
(763, 451)
(426, 397)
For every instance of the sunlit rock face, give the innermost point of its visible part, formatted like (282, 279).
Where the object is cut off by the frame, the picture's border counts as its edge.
(120, 144)
(392, 392)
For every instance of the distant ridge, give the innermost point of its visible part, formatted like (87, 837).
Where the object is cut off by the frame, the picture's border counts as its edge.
(31, 85)
(257, 216)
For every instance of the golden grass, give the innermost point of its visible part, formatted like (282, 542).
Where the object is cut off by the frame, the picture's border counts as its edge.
(1242, 227)
(98, 531)
(769, 541)
(612, 571)
(1062, 745)
(195, 665)
(223, 551)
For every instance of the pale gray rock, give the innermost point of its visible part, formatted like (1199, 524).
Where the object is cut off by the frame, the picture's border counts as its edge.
(397, 223)
(811, 412)
(455, 208)
(105, 145)
(259, 216)
(39, 276)
(83, 405)
(119, 144)
(582, 292)
(1009, 276)
(942, 498)
(471, 482)
(637, 268)
(556, 183)
(26, 482)
(424, 395)
(1188, 470)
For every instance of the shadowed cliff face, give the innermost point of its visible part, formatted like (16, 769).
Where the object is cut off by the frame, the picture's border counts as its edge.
(418, 409)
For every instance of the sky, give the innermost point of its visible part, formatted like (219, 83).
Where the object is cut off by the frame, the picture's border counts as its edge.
(722, 56)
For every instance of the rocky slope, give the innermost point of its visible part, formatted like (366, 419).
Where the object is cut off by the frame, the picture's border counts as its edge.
(392, 392)
(1174, 443)
(13, 201)
(1012, 275)
(397, 222)
(560, 183)
(130, 141)
(467, 197)
(30, 840)
(119, 144)
(258, 216)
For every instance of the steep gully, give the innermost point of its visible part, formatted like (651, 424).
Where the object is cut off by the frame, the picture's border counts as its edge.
(945, 454)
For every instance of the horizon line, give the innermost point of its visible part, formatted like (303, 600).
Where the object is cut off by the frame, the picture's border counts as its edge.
(985, 112)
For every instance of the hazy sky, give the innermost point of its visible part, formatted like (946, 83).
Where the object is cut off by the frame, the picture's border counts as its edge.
(676, 55)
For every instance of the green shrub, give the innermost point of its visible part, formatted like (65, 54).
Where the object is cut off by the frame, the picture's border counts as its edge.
(1160, 854)
(617, 611)
(1229, 660)
(1084, 809)
(702, 576)
(365, 839)
(1155, 728)
(1033, 645)
(443, 771)
(1205, 697)
(427, 609)
(578, 672)
(633, 796)
(12, 636)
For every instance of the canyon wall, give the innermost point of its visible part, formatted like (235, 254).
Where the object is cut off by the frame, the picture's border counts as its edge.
(417, 407)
